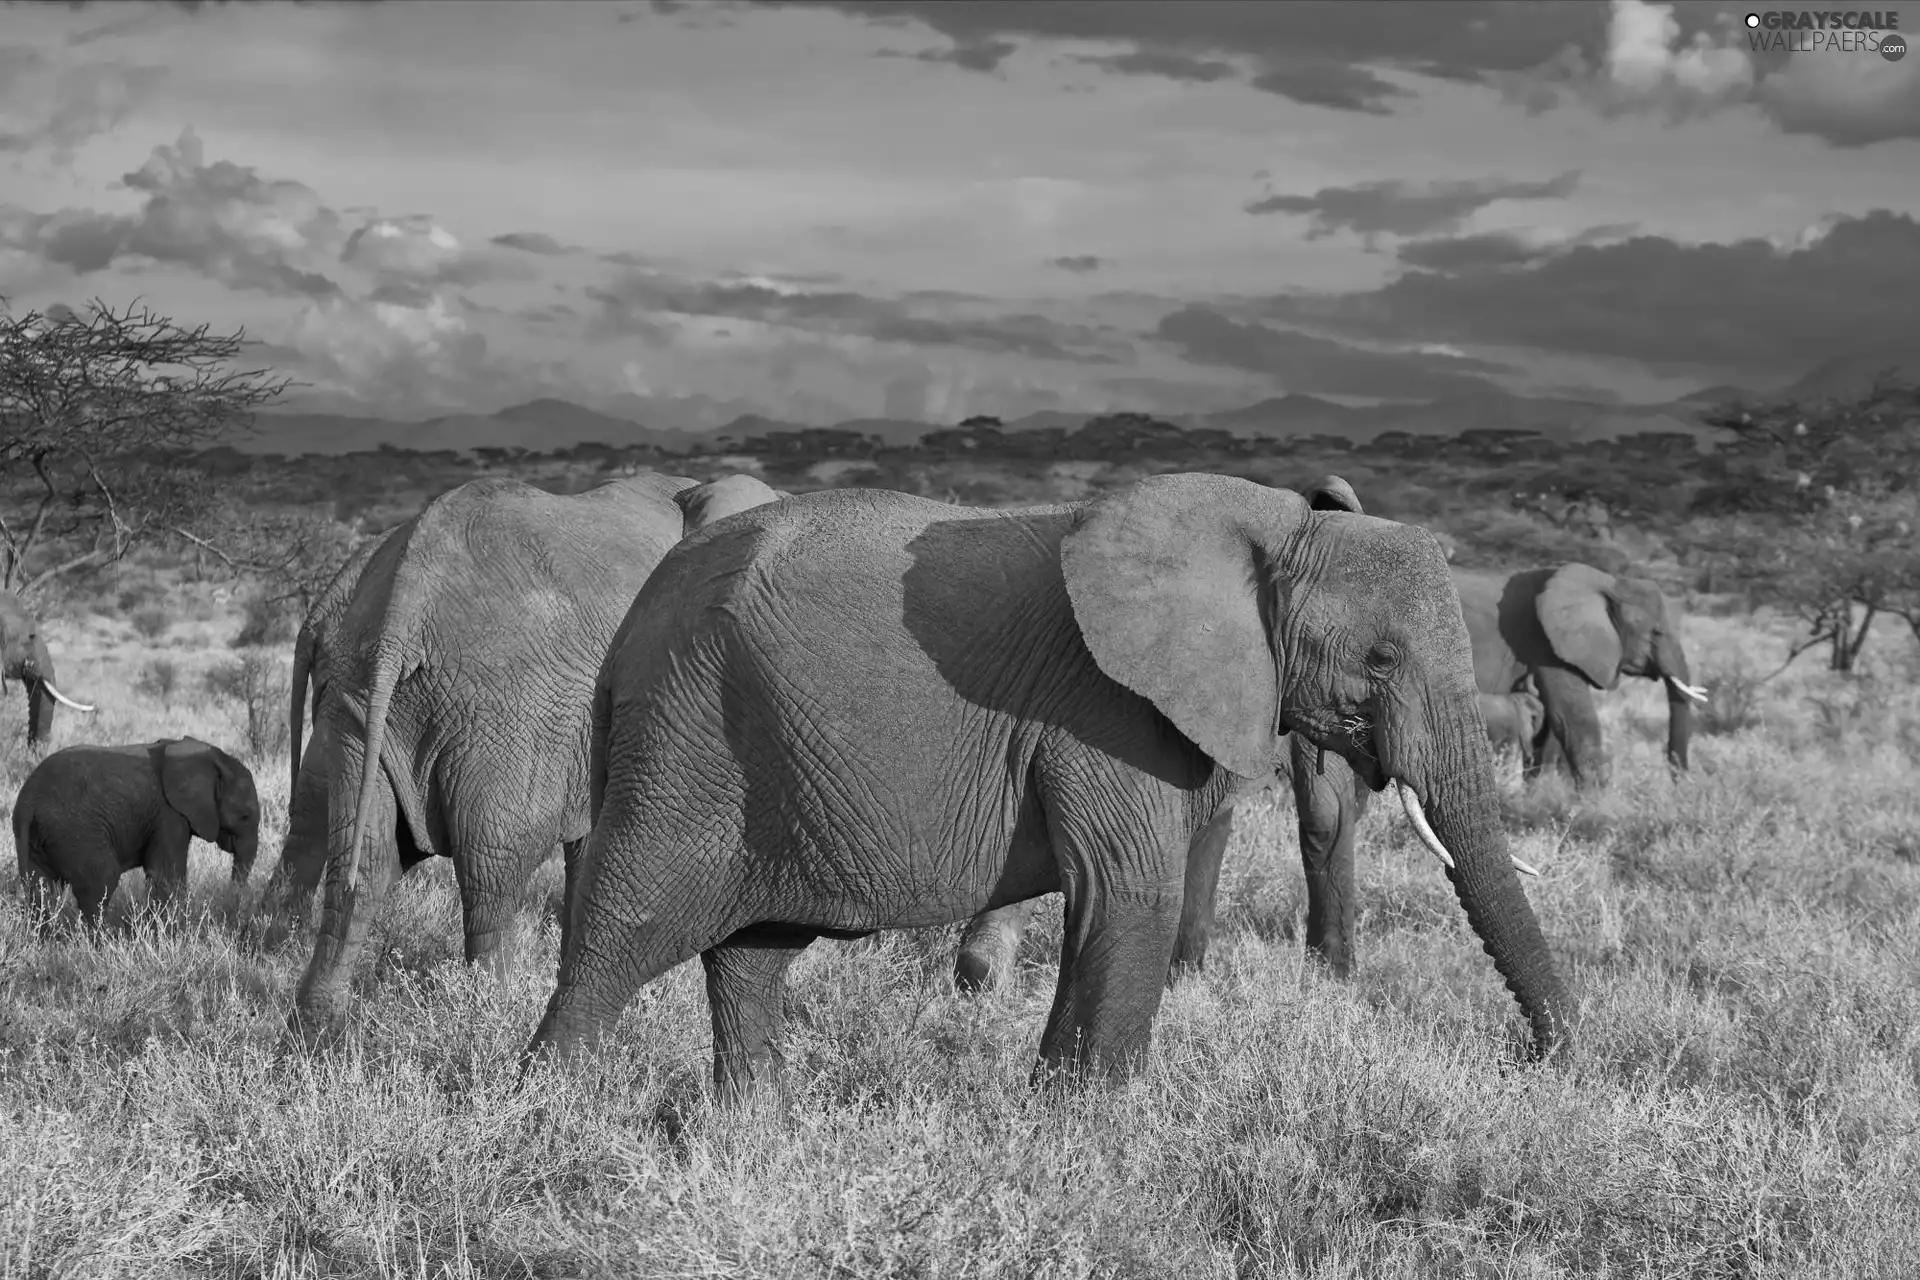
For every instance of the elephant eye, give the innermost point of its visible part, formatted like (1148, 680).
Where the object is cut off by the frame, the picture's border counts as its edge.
(1383, 657)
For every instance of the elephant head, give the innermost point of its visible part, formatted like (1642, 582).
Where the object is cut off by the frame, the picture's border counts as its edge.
(215, 794)
(1242, 613)
(1604, 627)
(24, 656)
(715, 500)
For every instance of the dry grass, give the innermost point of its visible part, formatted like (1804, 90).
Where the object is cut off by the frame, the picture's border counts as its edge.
(1746, 1102)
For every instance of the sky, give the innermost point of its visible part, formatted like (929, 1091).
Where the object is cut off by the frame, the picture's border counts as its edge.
(820, 211)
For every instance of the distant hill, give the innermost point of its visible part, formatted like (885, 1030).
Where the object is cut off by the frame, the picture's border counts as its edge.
(1852, 375)
(549, 424)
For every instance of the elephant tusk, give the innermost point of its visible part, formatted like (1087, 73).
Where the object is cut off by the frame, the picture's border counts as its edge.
(1697, 692)
(1418, 817)
(63, 699)
(1524, 868)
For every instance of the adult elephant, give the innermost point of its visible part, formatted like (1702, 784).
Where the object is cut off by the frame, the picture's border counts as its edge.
(24, 656)
(1569, 631)
(451, 717)
(856, 710)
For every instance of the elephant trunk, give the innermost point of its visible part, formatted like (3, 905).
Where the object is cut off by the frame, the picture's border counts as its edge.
(1457, 805)
(1671, 658)
(244, 849)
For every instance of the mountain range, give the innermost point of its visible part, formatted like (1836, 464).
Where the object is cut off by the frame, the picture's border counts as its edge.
(547, 425)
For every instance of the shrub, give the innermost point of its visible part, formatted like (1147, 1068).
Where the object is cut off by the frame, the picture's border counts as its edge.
(265, 622)
(159, 679)
(151, 623)
(255, 682)
(1735, 702)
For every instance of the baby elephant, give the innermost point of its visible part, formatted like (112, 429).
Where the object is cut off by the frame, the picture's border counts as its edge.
(87, 814)
(1513, 719)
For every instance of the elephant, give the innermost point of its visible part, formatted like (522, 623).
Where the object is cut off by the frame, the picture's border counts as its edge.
(704, 504)
(856, 710)
(1567, 631)
(87, 814)
(1560, 632)
(451, 712)
(24, 656)
(1513, 720)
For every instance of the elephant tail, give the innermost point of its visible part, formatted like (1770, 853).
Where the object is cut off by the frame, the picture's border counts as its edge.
(399, 641)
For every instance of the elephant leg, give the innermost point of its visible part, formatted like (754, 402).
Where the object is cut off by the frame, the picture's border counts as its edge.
(489, 878)
(989, 946)
(92, 893)
(320, 1004)
(1119, 931)
(746, 991)
(1331, 801)
(1204, 856)
(1572, 724)
(165, 862)
(43, 892)
(571, 852)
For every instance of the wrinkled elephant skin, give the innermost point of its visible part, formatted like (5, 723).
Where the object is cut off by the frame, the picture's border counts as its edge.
(856, 710)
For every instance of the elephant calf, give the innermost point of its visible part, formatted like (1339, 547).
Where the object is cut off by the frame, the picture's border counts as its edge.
(1513, 720)
(87, 814)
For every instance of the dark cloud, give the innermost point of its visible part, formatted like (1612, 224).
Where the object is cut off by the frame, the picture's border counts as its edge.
(1305, 363)
(402, 293)
(532, 242)
(1079, 263)
(1750, 305)
(1494, 250)
(1371, 209)
(970, 55)
(1309, 50)
(61, 107)
(638, 301)
(221, 219)
(1164, 62)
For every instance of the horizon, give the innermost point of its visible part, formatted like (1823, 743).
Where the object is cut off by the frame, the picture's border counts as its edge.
(818, 211)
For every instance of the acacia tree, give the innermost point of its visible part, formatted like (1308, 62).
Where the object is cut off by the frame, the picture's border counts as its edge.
(97, 415)
(1831, 498)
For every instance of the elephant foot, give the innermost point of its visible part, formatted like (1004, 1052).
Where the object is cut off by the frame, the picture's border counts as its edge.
(317, 1023)
(974, 972)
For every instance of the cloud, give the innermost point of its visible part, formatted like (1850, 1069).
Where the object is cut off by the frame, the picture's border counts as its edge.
(408, 360)
(222, 220)
(1400, 208)
(1312, 51)
(63, 105)
(536, 242)
(1079, 263)
(1163, 62)
(1753, 304)
(968, 55)
(640, 302)
(418, 250)
(1493, 250)
(1680, 61)
(1305, 363)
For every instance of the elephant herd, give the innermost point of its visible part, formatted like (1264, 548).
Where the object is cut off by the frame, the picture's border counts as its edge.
(751, 719)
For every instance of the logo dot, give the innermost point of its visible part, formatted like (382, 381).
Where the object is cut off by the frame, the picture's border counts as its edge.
(1753, 19)
(1893, 46)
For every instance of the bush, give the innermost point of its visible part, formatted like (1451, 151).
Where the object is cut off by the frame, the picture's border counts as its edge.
(151, 623)
(1734, 705)
(256, 683)
(265, 622)
(159, 679)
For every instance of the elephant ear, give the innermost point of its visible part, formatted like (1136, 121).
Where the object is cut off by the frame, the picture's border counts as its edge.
(187, 771)
(1572, 608)
(1331, 493)
(715, 500)
(1165, 581)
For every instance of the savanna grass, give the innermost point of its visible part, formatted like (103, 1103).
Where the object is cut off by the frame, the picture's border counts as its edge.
(1745, 1101)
